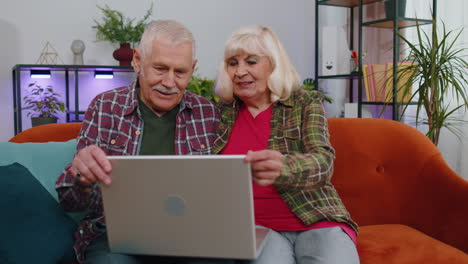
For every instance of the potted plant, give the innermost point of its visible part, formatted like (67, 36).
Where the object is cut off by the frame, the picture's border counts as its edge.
(437, 70)
(309, 85)
(203, 87)
(117, 28)
(43, 103)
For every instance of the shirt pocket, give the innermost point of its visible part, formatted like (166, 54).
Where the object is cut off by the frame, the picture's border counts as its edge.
(113, 144)
(292, 139)
(199, 146)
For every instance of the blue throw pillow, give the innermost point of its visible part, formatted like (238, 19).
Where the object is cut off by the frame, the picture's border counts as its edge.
(33, 227)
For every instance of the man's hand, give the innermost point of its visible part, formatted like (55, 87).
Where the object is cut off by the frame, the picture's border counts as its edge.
(91, 165)
(266, 166)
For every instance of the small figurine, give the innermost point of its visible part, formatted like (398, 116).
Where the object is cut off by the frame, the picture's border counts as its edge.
(77, 47)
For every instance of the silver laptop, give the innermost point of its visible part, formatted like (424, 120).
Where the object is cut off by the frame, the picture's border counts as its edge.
(188, 206)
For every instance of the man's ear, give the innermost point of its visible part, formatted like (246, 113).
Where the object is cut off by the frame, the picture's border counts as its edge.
(194, 64)
(136, 62)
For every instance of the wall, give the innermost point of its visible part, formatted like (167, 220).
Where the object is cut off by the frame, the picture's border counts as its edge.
(464, 156)
(26, 26)
(455, 148)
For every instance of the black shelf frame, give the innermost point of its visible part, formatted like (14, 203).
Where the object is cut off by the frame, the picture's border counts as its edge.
(386, 103)
(394, 24)
(350, 5)
(17, 98)
(401, 23)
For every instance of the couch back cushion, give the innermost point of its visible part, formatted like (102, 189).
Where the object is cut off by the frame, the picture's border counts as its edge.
(44, 160)
(49, 132)
(377, 166)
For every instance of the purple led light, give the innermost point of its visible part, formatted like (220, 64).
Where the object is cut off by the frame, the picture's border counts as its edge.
(103, 75)
(40, 74)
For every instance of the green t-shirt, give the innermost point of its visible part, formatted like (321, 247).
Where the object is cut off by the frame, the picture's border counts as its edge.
(158, 131)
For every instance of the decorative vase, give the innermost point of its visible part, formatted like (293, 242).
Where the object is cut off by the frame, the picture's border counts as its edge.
(124, 54)
(390, 8)
(37, 121)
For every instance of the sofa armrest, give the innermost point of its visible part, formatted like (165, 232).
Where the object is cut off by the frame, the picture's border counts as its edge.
(50, 132)
(438, 203)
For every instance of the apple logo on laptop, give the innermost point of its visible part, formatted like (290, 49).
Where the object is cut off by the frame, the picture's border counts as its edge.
(175, 205)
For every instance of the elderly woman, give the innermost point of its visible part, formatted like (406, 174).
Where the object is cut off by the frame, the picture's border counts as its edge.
(283, 131)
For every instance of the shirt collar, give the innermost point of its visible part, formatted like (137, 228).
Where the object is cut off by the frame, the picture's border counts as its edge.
(288, 102)
(132, 98)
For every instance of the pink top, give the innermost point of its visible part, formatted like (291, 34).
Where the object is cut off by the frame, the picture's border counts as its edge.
(271, 211)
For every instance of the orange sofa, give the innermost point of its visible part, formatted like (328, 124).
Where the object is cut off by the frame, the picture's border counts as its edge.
(411, 207)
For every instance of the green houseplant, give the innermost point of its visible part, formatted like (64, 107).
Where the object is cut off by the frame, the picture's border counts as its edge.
(43, 103)
(309, 85)
(117, 28)
(203, 87)
(437, 71)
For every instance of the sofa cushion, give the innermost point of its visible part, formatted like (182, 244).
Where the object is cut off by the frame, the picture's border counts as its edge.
(33, 226)
(402, 244)
(44, 160)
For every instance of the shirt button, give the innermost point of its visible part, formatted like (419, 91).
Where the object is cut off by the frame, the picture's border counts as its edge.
(203, 146)
(112, 141)
(138, 132)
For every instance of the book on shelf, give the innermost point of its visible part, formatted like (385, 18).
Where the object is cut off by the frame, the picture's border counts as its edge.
(402, 96)
(365, 78)
(378, 76)
(370, 74)
(378, 82)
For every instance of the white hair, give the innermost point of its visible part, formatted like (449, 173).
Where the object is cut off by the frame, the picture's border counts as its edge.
(169, 30)
(260, 41)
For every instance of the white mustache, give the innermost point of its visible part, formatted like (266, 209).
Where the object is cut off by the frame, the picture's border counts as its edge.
(165, 90)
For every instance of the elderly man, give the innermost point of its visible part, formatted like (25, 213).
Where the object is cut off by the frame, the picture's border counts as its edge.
(154, 115)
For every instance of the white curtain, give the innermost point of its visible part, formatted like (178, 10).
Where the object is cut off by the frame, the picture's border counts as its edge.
(464, 156)
(455, 16)
(452, 13)
(455, 150)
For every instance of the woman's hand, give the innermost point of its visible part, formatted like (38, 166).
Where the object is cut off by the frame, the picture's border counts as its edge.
(266, 166)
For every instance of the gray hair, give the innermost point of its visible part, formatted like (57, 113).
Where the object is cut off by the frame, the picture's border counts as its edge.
(261, 41)
(169, 30)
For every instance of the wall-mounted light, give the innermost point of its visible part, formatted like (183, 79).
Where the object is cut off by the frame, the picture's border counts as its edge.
(103, 75)
(42, 74)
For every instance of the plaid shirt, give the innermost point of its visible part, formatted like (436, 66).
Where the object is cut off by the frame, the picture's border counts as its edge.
(113, 123)
(299, 130)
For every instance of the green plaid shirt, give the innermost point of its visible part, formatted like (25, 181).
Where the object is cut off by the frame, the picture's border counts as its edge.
(299, 130)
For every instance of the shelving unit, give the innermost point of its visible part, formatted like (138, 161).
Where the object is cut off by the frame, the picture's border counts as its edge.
(350, 4)
(394, 24)
(67, 70)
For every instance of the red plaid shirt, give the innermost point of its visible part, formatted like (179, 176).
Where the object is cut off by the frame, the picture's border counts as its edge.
(113, 123)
